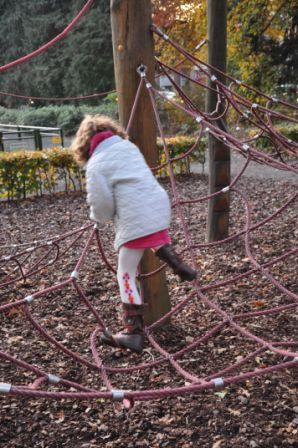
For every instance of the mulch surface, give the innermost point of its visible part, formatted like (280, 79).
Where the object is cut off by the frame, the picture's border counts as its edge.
(261, 412)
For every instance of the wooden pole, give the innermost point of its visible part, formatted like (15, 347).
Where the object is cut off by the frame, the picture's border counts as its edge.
(132, 46)
(219, 153)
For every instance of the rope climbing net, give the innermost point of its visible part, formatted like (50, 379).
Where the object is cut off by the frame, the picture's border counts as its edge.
(21, 263)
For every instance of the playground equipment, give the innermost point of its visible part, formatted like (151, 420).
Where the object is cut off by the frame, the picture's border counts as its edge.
(21, 262)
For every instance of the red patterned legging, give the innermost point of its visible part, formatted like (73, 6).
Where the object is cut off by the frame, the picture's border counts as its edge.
(128, 262)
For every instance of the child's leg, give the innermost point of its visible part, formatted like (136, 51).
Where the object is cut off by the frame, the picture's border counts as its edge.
(168, 254)
(128, 262)
(132, 337)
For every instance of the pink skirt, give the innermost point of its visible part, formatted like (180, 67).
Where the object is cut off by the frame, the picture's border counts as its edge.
(150, 241)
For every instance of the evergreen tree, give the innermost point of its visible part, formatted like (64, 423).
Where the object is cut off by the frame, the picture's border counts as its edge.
(90, 65)
(82, 63)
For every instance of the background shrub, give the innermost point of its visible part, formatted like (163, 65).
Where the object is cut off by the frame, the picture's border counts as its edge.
(24, 173)
(290, 131)
(67, 117)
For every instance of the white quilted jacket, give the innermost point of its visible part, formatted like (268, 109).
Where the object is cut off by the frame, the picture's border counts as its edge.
(122, 188)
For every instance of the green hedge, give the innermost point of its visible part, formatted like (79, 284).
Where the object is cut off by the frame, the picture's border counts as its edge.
(66, 117)
(33, 173)
(177, 146)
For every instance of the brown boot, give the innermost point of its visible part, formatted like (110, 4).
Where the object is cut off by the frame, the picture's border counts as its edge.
(167, 253)
(132, 337)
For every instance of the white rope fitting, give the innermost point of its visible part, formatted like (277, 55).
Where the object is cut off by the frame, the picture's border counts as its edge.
(49, 243)
(238, 82)
(118, 395)
(29, 299)
(245, 147)
(237, 128)
(6, 258)
(207, 129)
(295, 359)
(148, 85)
(95, 227)
(54, 379)
(225, 189)
(5, 388)
(75, 275)
(218, 382)
(274, 99)
(213, 78)
(199, 119)
(254, 105)
(30, 249)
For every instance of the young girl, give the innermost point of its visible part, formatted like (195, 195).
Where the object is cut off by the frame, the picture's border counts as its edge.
(121, 188)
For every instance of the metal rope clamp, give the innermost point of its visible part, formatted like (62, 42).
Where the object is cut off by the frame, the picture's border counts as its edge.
(159, 31)
(74, 275)
(142, 70)
(54, 379)
(117, 395)
(5, 388)
(29, 299)
(218, 382)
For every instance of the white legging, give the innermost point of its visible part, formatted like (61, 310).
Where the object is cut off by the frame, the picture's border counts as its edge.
(128, 262)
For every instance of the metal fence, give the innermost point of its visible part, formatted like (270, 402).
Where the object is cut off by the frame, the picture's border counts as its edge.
(16, 138)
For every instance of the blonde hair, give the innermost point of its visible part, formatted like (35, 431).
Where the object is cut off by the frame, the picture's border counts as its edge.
(91, 125)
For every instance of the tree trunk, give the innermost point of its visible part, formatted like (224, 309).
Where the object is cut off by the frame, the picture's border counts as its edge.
(219, 153)
(132, 46)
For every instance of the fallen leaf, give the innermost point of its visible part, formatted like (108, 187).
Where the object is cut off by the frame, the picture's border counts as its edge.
(258, 303)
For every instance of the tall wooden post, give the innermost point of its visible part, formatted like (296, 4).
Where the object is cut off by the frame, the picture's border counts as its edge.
(219, 154)
(132, 46)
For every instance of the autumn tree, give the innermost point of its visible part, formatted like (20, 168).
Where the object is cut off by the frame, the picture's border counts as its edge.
(262, 37)
(185, 21)
(266, 32)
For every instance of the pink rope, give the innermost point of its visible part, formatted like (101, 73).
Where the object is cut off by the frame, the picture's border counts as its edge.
(151, 394)
(58, 99)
